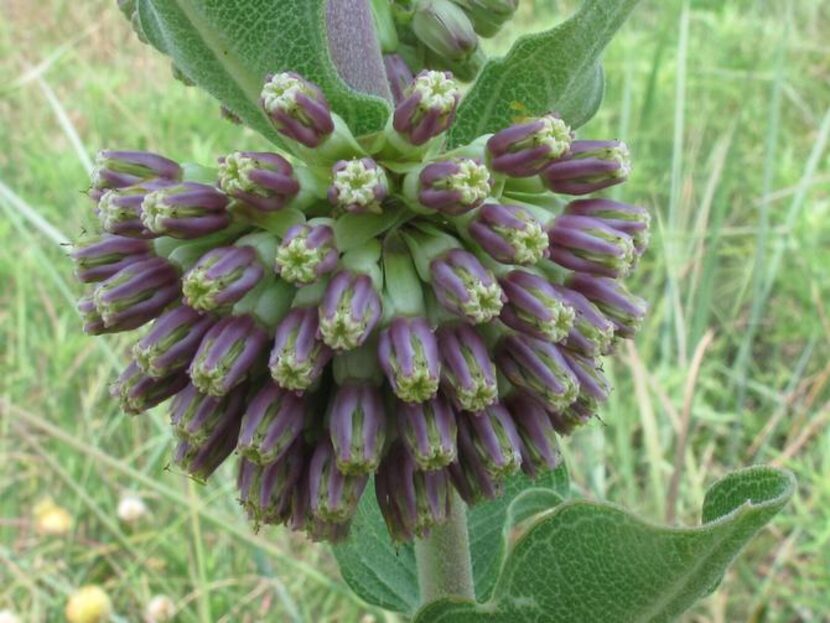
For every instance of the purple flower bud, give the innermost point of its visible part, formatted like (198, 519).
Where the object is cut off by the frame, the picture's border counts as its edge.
(540, 448)
(137, 293)
(587, 244)
(200, 460)
(349, 311)
(119, 210)
(429, 430)
(588, 167)
(172, 341)
(493, 437)
(524, 149)
(411, 501)
(101, 257)
(93, 323)
(629, 219)
(358, 428)
(574, 416)
(468, 373)
(227, 353)
(196, 417)
(621, 307)
(262, 180)
(266, 491)
(453, 187)
(428, 108)
(273, 420)
(592, 332)
(464, 287)
(297, 108)
(299, 356)
(358, 185)
(408, 355)
(398, 74)
(538, 367)
(593, 386)
(221, 278)
(509, 234)
(444, 28)
(333, 496)
(469, 475)
(306, 253)
(118, 169)
(187, 210)
(535, 307)
(138, 392)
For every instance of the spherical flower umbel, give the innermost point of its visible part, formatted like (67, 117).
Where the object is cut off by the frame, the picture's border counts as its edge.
(382, 307)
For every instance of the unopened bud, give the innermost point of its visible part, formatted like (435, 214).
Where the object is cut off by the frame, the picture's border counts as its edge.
(429, 431)
(350, 309)
(629, 219)
(540, 448)
(101, 257)
(445, 29)
(138, 392)
(488, 16)
(468, 373)
(588, 167)
(299, 355)
(119, 210)
(333, 496)
(464, 287)
(265, 181)
(451, 187)
(619, 305)
(297, 108)
(172, 341)
(221, 278)
(509, 234)
(408, 355)
(266, 490)
(493, 436)
(587, 244)
(118, 169)
(358, 428)
(273, 421)
(196, 416)
(398, 74)
(358, 185)
(523, 150)
(428, 107)
(535, 307)
(187, 210)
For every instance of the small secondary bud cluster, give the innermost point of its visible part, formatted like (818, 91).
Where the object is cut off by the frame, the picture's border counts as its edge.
(337, 312)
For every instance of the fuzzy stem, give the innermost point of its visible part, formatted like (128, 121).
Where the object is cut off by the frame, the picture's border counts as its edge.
(443, 558)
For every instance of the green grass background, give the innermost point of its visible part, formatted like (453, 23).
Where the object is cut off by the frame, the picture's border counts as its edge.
(726, 107)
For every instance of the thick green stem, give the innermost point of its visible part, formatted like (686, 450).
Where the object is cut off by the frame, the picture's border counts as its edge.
(443, 559)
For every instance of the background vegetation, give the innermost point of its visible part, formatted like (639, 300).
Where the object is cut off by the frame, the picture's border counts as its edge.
(726, 106)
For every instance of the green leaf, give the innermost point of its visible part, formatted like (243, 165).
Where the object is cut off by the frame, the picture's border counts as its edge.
(384, 574)
(229, 46)
(585, 561)
(555, 70)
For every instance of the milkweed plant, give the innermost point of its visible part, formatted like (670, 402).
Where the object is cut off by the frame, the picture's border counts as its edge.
(391, 319)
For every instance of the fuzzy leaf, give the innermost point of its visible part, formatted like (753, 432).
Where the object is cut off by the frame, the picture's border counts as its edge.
(384, 574)
(585, 561)
(555, 70)
(229, 46)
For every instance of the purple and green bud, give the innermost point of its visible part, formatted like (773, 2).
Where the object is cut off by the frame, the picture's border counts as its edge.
(469, 476)
(464, 287)
(492, 436)
(297, 108)
(358, 186)
(398, 75)
(509, 234)
(93, 324)
(333, 496)
(411, 501)
(299, 355)
(265, 491)
(306, 253)
(592, 333)
(187, 210)
(262, 180)
(540, 447)
(100, 257)
(119, 210)
(488, 16)
(119, 169)
(200, 460)
(429, 431)
(428, 107)
(228, 352)
(588, 167)
(535, 307)
(408, 355)
(620, 306)
(524, 149)
(444, 28)
(222, 277)
(593, 386)
(468, 374)
(172, 341)
(196, 417)
(629, 219)
(538, 367)
(576, 415)
(137, 293)
(273, 421)
(350, 310)
(137, 392)
(451, 187)
(586, 244)
(357, 423)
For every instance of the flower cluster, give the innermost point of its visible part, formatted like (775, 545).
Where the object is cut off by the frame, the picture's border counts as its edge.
(349, 309)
